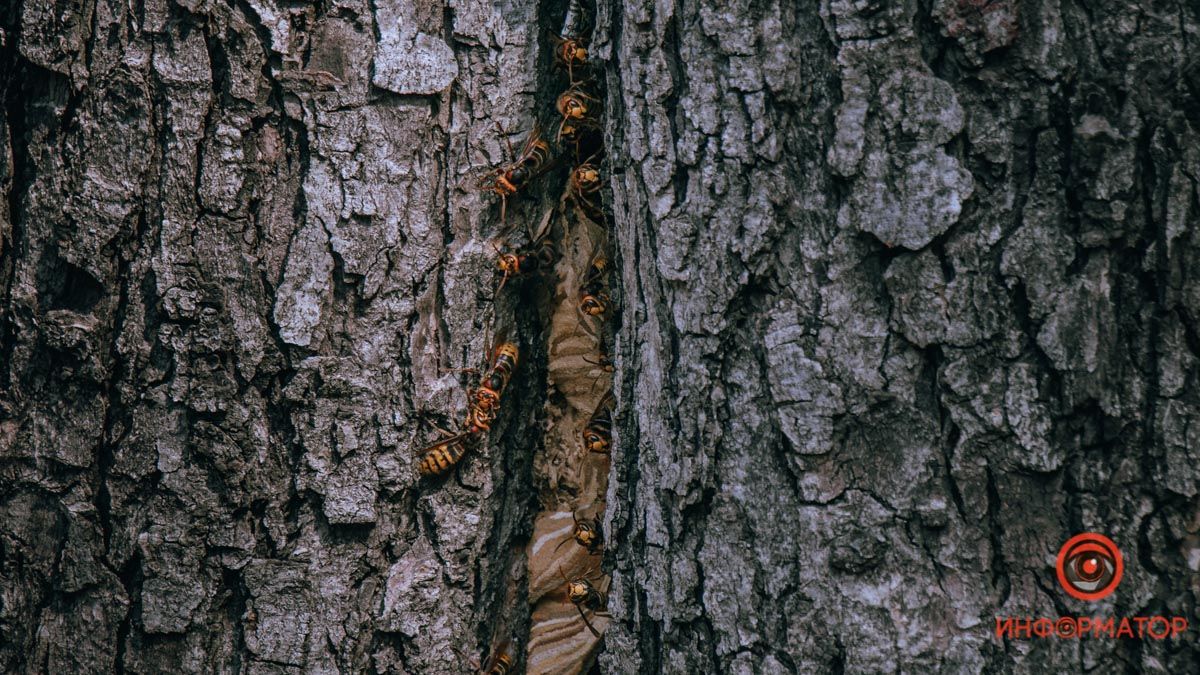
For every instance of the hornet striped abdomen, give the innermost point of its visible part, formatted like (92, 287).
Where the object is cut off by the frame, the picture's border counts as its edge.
(442, 456)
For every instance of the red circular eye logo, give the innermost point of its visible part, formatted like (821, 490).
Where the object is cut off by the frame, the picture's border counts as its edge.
(1089, 566)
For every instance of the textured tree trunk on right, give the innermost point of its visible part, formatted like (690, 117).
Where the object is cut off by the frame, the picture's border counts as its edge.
(909, 299)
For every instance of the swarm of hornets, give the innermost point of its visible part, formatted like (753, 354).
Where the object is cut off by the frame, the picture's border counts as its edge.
(442, 456)
(578, 108)
(576, 139)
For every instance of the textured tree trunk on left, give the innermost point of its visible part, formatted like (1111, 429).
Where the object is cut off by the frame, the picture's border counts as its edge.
(241, 251)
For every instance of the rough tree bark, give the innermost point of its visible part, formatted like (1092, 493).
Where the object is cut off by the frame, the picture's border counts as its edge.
(911, 297)
(908, 297)
(238, 255)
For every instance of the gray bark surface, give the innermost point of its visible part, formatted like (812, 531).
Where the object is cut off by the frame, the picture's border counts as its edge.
(241, 244)
(910, 298)
(907, 291)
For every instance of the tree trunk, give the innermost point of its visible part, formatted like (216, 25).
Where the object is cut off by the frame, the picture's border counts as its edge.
(910, 298)
(241, 247)
(906, 298)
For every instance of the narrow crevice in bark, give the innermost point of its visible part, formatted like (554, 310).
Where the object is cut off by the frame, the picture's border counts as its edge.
(17, 99)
